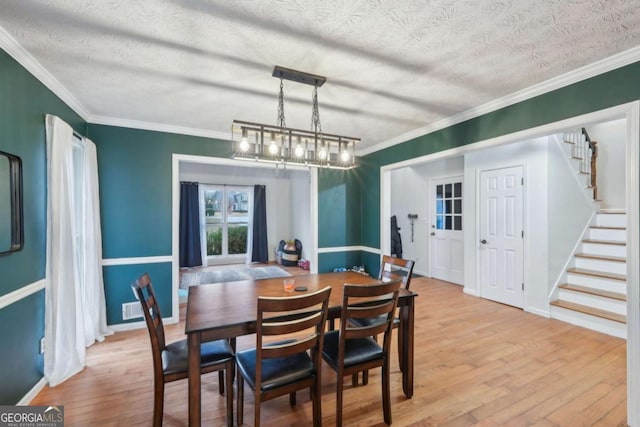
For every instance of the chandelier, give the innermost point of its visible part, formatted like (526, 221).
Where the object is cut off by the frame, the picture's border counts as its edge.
(279, 144)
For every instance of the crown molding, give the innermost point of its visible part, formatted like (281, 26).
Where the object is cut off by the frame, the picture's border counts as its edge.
(591, 70)
(159, 127)
(24, 58)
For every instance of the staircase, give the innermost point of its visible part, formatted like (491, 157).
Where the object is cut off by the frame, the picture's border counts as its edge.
(594, 292)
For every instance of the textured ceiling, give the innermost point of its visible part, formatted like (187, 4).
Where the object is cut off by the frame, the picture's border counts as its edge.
(392, 66)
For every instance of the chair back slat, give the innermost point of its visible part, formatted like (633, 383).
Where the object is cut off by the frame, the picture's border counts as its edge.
(377, 301)
(289, 348)
(299, 321)
(366, 311)
(143, 289)
(362, 332)
(290, 326)
(288, 304)
(393, 268)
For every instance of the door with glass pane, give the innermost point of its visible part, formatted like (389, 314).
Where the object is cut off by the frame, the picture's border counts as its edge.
(446, 237)
(226, 217)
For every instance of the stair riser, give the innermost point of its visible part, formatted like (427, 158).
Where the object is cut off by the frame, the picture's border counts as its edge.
(597, 282)
(595, 301)
(608, 234)
(604, 326)
(601, 265)
(611, 220)
(602, 249)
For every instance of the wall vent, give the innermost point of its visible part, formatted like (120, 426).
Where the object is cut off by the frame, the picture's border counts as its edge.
(131, 310)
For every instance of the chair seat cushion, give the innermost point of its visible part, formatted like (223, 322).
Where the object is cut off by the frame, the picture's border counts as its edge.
(368, 321)
(175, 355)
(355, 351)
(276, 372)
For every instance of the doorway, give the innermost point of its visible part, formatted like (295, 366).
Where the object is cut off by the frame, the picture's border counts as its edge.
(631, 113)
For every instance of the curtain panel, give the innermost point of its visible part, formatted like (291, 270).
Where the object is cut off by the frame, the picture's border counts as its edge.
(190, 245)
(260, 247)
(75, 307)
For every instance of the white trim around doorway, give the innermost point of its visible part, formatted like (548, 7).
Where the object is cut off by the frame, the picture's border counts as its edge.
(630, 112)
(176, 159)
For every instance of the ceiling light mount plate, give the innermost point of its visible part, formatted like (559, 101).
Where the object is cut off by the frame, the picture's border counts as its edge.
(298, 76)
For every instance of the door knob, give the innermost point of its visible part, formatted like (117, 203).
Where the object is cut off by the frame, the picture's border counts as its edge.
(433, 234)
(483, 241)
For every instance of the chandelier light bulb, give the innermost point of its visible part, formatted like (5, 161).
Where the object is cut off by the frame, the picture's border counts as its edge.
(244, 141)
(244, 145)
(273, 148)
(344, 156)
(322, 154)
(299, 152)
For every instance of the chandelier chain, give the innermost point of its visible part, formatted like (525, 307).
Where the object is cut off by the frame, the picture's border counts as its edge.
(315, 112)
(281, 122)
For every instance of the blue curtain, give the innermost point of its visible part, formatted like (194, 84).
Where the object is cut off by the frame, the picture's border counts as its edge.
(190, 253)
(260, 251)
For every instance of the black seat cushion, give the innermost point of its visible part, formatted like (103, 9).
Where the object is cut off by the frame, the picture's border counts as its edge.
(175, 355)
(355, 351)
(276, 372)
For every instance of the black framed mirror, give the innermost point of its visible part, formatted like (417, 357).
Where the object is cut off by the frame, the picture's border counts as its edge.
(11, 220)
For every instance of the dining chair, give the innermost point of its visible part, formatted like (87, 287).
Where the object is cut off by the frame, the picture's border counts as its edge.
(391, 268)
(352, 349)
(289, 337)
(170, 361)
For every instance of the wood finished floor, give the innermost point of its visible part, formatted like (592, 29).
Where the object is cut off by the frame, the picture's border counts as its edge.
(478, 363)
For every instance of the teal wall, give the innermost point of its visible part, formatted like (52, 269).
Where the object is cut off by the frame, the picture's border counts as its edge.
(118, 280)
(135, 172)
(338, 208)
(24, 101)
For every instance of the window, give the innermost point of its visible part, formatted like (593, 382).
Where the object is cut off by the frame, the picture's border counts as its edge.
(226, 220)
(449, 206)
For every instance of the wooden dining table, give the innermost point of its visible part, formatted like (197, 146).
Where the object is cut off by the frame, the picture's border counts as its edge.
(228, 310)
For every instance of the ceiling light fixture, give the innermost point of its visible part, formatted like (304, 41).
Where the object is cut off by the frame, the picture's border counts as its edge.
(279, 144)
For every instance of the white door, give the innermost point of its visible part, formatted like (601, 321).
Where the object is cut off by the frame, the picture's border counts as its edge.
(446, 239)
(501, 235)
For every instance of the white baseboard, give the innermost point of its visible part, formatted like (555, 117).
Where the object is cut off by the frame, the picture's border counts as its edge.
(537, 311)
(132, 326)
(27, 398)
(122, 327)
(471, 292)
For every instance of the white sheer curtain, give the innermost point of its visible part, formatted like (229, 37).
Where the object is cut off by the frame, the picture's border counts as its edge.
(203, 226)
(75, 309)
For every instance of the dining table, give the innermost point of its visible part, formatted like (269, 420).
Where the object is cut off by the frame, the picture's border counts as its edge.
(228, 310)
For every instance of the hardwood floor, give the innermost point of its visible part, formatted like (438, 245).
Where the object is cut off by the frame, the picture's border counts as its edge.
(478, 363)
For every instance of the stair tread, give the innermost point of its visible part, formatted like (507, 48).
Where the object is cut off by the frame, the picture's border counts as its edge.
(590, 310)
(606, 212)
(605, 242)
(602, 257)
(594, 291)
(596, 273)
(570, 142)
(607, 227)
